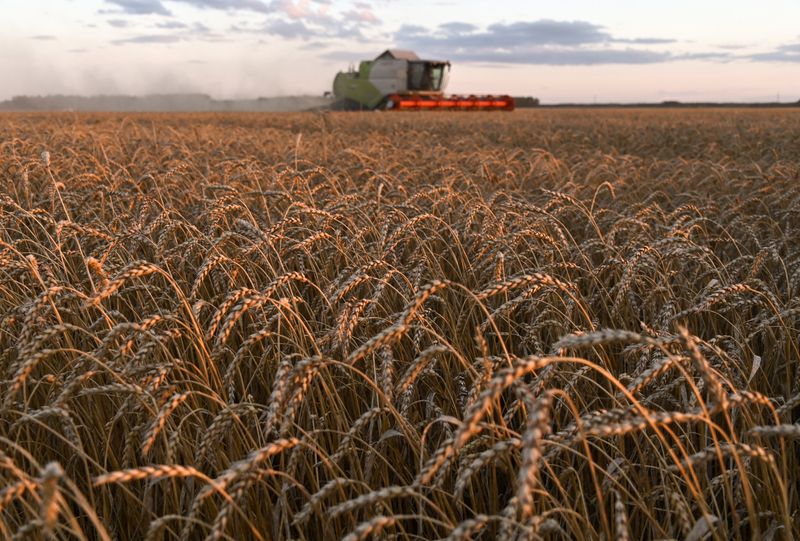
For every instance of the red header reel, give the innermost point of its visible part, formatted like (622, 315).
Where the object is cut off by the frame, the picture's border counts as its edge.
(414, 102)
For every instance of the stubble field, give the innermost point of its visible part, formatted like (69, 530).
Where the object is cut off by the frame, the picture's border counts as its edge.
(545, 324)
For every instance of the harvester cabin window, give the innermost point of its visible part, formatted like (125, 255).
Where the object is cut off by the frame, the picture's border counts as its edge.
(424, 76)
(437, 72)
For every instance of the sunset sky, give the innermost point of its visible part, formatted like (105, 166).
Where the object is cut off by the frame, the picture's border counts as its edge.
(571, 50)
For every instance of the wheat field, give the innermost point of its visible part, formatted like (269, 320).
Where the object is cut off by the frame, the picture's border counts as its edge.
(541, 325)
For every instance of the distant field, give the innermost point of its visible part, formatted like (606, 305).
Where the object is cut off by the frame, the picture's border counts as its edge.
(560, 324)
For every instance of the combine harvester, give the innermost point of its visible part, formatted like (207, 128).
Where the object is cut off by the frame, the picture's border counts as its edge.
(399, 81)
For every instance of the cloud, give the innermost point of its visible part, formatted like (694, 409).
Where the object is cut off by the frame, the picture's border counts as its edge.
(148, 38)
(361, 13)
(732, 46)
(785, 53)
(289, 29)
(506, 35)
(301, 20)
(295, 10)
(170, 38)
(573, 57)
(311, 20)
(200, 29)
(303, 31)
(545, 42)
(156, 7)
(456, 28)
(44, 37)
(717, 56)
(176, 32)
(171, 25)
(231, 5)
(645, 41)
(141, 7)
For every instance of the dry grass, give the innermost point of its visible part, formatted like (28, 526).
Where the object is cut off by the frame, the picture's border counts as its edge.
(567, 324)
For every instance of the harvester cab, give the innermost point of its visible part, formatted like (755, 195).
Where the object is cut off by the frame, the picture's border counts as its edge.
(427, 76)
(400, 80)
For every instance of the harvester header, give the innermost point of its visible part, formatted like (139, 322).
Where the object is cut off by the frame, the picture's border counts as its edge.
(400, 80)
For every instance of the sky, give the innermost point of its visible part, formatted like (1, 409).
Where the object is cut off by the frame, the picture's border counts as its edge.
(564, 51)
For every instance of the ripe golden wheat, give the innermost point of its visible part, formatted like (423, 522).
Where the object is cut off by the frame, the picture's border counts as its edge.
(550, 324)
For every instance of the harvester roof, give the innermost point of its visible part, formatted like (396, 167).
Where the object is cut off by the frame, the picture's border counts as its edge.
(398, 54)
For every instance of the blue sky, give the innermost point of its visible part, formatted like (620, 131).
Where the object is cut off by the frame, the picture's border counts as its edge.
(571, 50)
